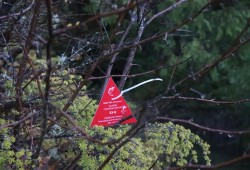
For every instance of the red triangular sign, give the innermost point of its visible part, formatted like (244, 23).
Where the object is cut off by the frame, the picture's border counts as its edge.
(111, 109)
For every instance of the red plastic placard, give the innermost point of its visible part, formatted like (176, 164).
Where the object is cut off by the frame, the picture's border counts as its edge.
(110, 110)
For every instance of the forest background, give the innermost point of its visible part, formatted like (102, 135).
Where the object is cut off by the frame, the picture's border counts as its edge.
(56, 58)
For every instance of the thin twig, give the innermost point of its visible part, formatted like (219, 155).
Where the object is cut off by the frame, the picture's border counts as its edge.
(33, 27)
(23, 11)
(17, 122)
(166, 10)
(47, 79)
(140, 74)
(220, 131)
(213, 167)
(207, 100)
(119, 146)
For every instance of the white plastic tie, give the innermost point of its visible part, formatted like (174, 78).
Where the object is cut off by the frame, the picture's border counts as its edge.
(133, 87)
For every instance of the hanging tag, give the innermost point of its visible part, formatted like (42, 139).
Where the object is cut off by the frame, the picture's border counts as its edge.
(109, 111)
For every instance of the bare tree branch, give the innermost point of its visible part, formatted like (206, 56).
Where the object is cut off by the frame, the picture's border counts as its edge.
(115, 55)
(2, 18)
(204, 128)
(140, 74)
(207, 100)
(213, 167)
(47, 79)
(132, 51)
(18, 122)
(166, 10)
